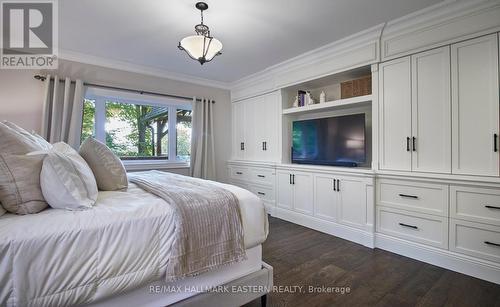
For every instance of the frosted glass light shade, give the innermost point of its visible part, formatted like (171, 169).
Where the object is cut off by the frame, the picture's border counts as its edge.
(193, 45)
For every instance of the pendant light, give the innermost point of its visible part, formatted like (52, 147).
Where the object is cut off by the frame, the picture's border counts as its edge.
(201, 47)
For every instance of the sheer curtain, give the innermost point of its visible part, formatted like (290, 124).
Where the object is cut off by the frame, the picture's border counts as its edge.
(202, 140)
(62, 111)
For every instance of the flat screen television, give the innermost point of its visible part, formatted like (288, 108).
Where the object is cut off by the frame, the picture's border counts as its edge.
(337, 141)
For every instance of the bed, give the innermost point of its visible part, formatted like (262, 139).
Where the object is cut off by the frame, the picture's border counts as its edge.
(116, 253)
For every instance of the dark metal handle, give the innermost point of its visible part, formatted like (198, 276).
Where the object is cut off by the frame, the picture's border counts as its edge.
(242, 146)
(261, 176)
(407, 143)
(408, 196)
(265, 146)
(338, 185)
(261, 193)
(495, 142)
(290, 178)
(491, 243)
(239, 173)
(409, 226)
(293, 179)
(491, 207)
(334, 188)
(414, 146)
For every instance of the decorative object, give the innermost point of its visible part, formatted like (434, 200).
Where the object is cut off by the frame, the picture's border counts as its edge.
(357, 87)
(322, 97)
(296, 102)
(309, 100)
(201, 47)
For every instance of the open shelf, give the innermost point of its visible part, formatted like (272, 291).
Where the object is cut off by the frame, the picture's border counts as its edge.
(331, 105)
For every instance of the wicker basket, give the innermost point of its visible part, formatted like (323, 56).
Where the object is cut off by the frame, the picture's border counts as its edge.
(357, 87)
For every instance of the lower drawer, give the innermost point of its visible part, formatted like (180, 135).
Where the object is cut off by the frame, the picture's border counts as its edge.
(418, 227)
(265, 193)
(475, 239)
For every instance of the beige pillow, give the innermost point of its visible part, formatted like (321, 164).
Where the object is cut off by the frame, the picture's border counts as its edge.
(13, 142)
(20, 190)
(32, 137)
(66, 180)
(107, 167)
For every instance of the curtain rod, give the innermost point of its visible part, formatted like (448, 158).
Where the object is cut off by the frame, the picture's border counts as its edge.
(43, 78)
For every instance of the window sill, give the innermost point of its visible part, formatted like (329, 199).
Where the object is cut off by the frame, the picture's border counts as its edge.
(145, 165)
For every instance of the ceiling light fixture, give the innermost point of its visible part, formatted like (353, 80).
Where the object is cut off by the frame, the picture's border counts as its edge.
(201, 47)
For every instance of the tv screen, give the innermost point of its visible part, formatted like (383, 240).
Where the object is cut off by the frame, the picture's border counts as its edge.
(330, 141)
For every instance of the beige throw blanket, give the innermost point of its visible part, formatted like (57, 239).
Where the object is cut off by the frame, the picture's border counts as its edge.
(208, 232)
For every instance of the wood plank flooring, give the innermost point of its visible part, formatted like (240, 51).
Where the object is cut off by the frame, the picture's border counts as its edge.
(304, 257)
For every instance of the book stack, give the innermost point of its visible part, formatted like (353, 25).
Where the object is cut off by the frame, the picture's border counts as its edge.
(304, 98)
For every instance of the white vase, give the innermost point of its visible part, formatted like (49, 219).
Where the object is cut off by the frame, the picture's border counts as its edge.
(322, 97)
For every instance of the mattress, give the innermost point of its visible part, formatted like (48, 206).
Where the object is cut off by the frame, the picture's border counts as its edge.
(59, 257)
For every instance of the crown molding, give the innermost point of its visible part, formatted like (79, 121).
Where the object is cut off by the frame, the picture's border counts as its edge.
(140, 69)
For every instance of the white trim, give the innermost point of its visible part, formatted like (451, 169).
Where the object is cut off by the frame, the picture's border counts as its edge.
(483, 269)
(75, 56)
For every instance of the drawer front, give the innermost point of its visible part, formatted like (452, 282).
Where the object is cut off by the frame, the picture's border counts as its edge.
(475, 204)
(240, 184)
(262, 176)
(265, 193)
(415, 196)
(421, 228)
(239, 173)
(474, 239)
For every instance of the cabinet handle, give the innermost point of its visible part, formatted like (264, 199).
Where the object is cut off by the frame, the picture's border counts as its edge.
(491, 207)
(407, 143)
(408, 226)
(414, 141)
(491, 243)
(495, 142)
(265, 145)
(293, 179)
(408, 196)
(261, 193)
(338, 185)
(261, 176)
(334, 188)
(290, 178)
(239, 173)
(242, 146)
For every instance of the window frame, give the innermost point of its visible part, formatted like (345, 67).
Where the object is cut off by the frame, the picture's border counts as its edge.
(100, 96)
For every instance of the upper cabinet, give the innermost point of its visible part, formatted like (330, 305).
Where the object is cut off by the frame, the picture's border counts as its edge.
(256, 128)
(475, 106)
(395, 115)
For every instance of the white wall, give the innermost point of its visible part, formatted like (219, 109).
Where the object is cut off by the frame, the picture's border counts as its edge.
(21, 98)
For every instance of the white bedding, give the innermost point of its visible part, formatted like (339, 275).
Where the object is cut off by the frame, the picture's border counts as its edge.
(60, 257)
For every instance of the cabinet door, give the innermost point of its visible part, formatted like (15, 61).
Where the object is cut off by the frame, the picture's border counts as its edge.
(395, 114)
(269, 122)
(352, 202)
(285, 190)
(325, 197)
(258, 126)
(238, 130)
(250, 113)
(474, 66)
(431, 109)
(302, 192)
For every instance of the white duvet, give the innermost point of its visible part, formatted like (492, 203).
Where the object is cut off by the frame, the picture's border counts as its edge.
(60, 257)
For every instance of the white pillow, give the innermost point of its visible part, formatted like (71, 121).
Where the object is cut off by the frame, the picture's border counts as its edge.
(66, 179)
(32, 137)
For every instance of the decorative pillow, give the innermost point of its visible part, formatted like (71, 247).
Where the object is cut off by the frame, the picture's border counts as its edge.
(13, 142)
(20, 190)
(66, 180)
(107, 167)
(2, 210)
(32, 137)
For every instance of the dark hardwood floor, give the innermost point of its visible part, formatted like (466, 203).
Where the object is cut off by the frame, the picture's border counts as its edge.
(304, 257)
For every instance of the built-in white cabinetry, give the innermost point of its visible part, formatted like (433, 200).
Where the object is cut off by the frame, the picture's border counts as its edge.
(326, 200)
(475, 103)
(415, 107)
(256, 128)
(395, 114)
(295, 191)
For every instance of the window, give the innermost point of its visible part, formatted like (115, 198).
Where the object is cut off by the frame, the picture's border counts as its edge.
(138, 127)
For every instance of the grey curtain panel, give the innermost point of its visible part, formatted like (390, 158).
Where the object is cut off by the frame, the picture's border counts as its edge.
(202, 140)
(63, 111)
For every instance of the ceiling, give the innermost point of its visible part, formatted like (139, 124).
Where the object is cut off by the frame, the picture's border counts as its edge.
(255, 34)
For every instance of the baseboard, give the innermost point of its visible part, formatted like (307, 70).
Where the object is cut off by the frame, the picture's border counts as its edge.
(475, 267)
(342, 231)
